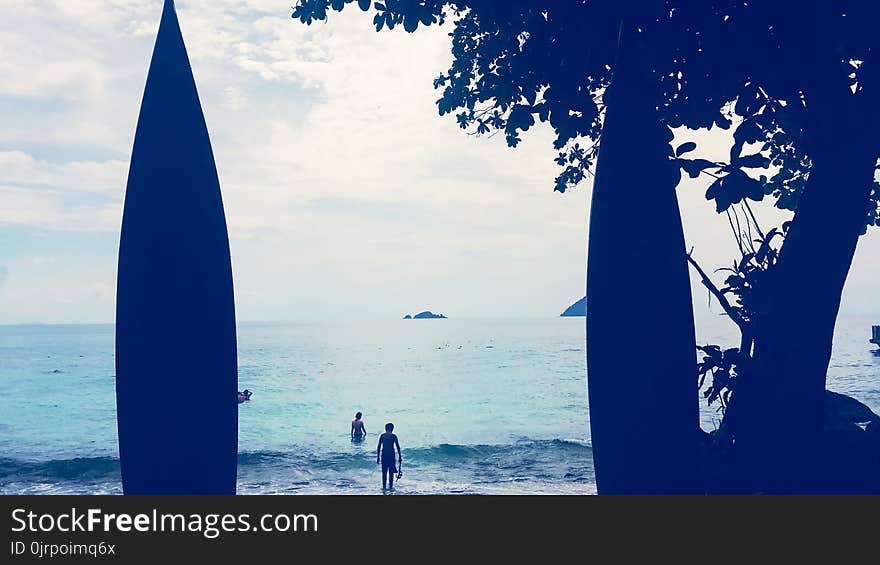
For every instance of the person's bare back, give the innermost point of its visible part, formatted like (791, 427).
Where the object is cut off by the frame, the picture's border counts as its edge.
(358, 430)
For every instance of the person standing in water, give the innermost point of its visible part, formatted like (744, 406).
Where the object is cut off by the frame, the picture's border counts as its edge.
(385, 454)
(358, 430)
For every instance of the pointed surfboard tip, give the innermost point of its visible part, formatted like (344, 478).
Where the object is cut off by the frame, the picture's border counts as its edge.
(169, 10)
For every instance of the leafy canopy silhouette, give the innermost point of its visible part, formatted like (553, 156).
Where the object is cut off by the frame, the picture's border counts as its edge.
(519, 62)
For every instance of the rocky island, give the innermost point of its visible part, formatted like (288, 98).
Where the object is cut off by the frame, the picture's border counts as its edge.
(426, 315)
(579, 308)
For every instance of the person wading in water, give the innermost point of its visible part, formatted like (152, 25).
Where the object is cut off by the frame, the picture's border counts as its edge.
(385, 455)
(358, 430)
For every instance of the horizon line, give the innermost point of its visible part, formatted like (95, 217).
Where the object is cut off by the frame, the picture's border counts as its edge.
(304, 320)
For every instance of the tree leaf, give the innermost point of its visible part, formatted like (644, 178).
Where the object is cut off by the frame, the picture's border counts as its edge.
(685, 148)
(722, 122)
(738, 185)
(410, 23)
(714, 189)
(754, 161)
(693, 167)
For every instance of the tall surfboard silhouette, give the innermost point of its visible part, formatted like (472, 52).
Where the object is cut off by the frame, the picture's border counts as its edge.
(176, 365)
(641, 354)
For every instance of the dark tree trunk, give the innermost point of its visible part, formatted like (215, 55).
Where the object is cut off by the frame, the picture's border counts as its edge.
(781, 405)
(641, 359)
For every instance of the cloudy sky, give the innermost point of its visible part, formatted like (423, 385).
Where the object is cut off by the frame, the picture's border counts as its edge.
(345, 192)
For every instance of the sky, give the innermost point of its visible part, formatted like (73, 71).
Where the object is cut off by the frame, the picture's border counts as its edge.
(346, 194)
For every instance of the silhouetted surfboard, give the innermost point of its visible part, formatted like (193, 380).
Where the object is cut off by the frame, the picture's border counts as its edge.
(176, 367)
(641, 354)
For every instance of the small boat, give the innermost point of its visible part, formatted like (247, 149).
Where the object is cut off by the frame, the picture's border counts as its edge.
(875, 335)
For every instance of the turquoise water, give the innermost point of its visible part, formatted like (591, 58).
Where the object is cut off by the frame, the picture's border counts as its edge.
(480, 406)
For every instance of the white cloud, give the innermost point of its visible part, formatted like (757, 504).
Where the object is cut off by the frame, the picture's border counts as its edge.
(49, 210)
(339, 178)
(17, 167)
(72, 196)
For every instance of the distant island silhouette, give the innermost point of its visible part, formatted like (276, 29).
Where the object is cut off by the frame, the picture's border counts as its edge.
(579, 308)
(426, 315)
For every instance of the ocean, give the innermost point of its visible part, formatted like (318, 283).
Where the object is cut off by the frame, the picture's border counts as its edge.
(480, 406)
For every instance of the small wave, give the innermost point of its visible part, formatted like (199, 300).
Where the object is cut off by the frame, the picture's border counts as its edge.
(78, 468)
(524, 460)
(261, 457)
(97, 467)
(445, 451)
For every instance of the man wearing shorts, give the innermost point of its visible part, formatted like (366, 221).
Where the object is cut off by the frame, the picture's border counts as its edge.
(385, 455)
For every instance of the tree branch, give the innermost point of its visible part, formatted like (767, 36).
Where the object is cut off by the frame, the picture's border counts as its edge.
(725, 304)
(713, 175)
(749, 228)
(754, 220)
(735, 234)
